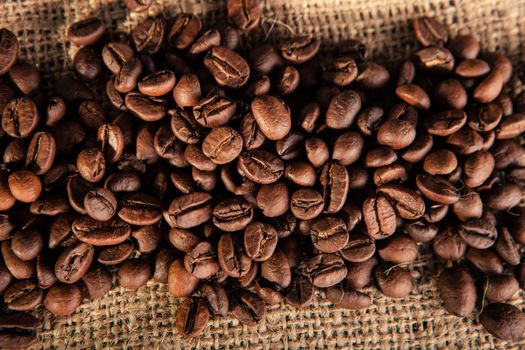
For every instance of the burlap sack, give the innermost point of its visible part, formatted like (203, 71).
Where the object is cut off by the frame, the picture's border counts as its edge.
(145, 318)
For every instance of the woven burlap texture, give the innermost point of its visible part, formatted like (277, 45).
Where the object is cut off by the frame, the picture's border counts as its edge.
(145, 318)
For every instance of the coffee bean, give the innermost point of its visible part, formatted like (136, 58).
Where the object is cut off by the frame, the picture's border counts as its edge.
(140, 209)
(440, 162)
(478, 233)
(41, 153)
(511, 126)
(437, 189)
(20, 117)
(222, 145)
(477, 168)
(300, 292)
(329, 234)
(435, 59)
(261, 166)
(187, 91)
(116, 54)
(398, 249)
(359, 248)
(91, 164)
(372, 76)
(260, 241)
(301, 173)
(200, 261)
(133, 274)
(300, 49)
(500, 288)
(74, 262)
(27, 244)
(98, 281)
(192, 317)
(347, 298)
(343, 109)
(489, 88)
(326, 270)
(86, 31)
(189, 210)
(148, 35)
(233, 214)
(184, 30)
(506, 247)
(306, 204)
(87, 63)
(63, 299)
(485, 261)
(115, 254)
(273, 199)
(430, 32)
(214, 111)
(101, 233)
(503, 197)
(18, 330)
(251, 134)
(232, 257)
(147, 108)
(379, 157)
(457, 290)
(450, 93)
(272, 115)
(341, 71)
(9, 48)
(464, 46)
(379, 217)
(445, 123)
(413, 95)
(100, 204)
(25, 186)
(348, 147)
(393, 281)
(396, 133)
(309, 116)
(23, 295)
(20, 269)
(334, 180)
(227, 67)
(504, 321)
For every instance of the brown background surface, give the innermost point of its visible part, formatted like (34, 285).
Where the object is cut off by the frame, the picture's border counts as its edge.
(144, 319)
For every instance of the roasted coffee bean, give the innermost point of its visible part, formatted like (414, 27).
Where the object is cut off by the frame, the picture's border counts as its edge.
(184, 30)
(421, 231)
(100, 204)
(251, 134)
(101, 233)
(192, 317)
(41, 153)
(216, 299)
(359, 248)
(181, 283)
(450, 93)
(504, 321)
(457, 290)
(23, 295)
(300, 292)
(63, 299)
(147, 108)
(393, 281)
(348, 148)
(222, 145)
(87, 63)
(232, 257)
(430, 32)
(408, 203)
(214, 111)
(309, 116)
(20, 117)
(74, 262)
(18, 330)
(506, 247)
(98, 281)
(398, 249)
(147, 238)
(360, 275)
(440, 162)
(379, 157)
(396, 133)
(115, 55)
(27, 244)
(133, 274)
(272, 115)
(343, 109)
(273, 199)
(326, 270)
(245, 15)
(140, 209)
(437, 189)
(317, 151)
(489, 88)
(306, 204)
(500, 288)
(91, 164)
(9, 47)
(329, 234)
(261, 166)
(207, 41)
(233, 214)
(86, 32)
(227, 67)
(247, 307)
(25, 186)
(115, 254)
(200, 261)
(20, 269)
(503, 197)
(91, 114)
(435, 59)
(184, 127)
(15, 151)
(448, 245)
(148, 35)
(300, 49)
(414, 96)
(334, 180)
(394, 172)
(341, 71)
(486, 261)
(110, 142)
(379, 217)
(187, 91)
(347, 298)
(464, 46)
(290, 147)
(478, 233)
(301, 173)
(477, 168)
(189, 210)
(511, 126)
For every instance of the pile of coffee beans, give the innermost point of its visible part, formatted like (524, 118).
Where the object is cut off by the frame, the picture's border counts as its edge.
(251, 177)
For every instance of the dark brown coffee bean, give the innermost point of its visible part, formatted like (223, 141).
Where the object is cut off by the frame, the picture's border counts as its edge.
(6, 226)
(232, 257)
(86, 31)
(273, 199)
(437, 189)
(334, 180)
(15, 151)
(348, 147)
(148, 35)
(183, 240)
(87, 63)
(7, 200)
(272, 115)
(27, 244)
(72, 90)
(25, 76)
(147, 108)
(200, 261)
(435, 59)
(116, 99)
(187, 92)
(157, 84)
(379, 217)
(511, 126)
(184, 30)
(133, 274)
(41, 153)
(406, 73)
(18, 330)
(413, 95)
(329, 234)
(450, 93)
(19, 268)
(407, 202)
(261, 166)
(115, 55)
(398, 249)
(265, 59)
(207, 41)
(184, 126)
(233, 214)
(192, 317)
(222, 145)
(309, 116)
(287, 80)
(359, 248)
(91, 114)
(421, 231)
(301, 173)
(440, 162)
(189, 210)
(260, 241)
(251, 134)
(372, 76)
(347, 298)
(396, 133)
(504, 321)
(486, 261)
(430, 32)
(181, 283)
(317, 151)
(393, 281)
(326, 270)
(247, 307)
(20, 117)
(500, 63)
(100, 204)
(196, 157)
(343, 109)
(63, 299)
(74, 262)
(445, 123)
(500, 288)
(485, 117)
(464, 46)
(110, 142)
(341, 71)
(489, 88)
(306, 204)
(227, 67)
(25, 186)
(448, 245)
(115, 254)
(290, 147)
(300, 292)
(300, 49)
(77, 188)
(23, 295)
(91, 164)
(477, 168)
(245, 15)
(9, 48)
(472, 68)
(469, 205)
(214, 111)
(390, 173)
(506, 247)
(140, 209)
(503, 197)
(457, 290)
(101, 233)
(98, 281)
(182, 181)
(145, 145)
